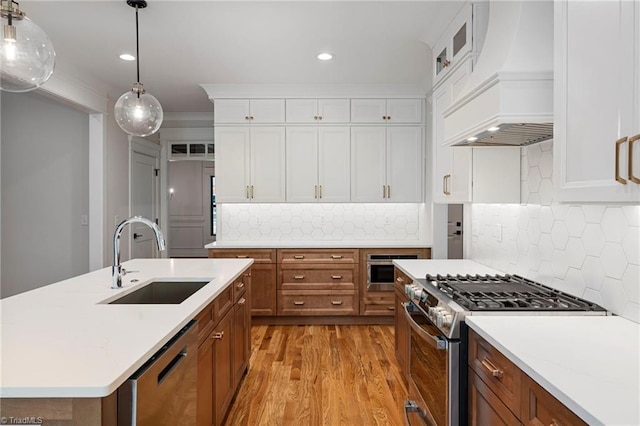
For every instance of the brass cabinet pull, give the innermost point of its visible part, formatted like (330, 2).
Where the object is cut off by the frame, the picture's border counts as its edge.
(618, 143)
(400, 280)
(242, 301)
(315, 117)
(336, 277)
(446, 63)
(240, 285)
(251, 191)
(336, 256)
(445, 184)
(315, 191)
(246, 117)
(632, 178)
(251, 117)
(320, 191)
(336, 302)
(495, 371)
(298, 256)
(391, 308)
(319, 117)
(241, 256)
(554, 422)
(247, 192)
(384, 117)
(388, 191)
(384, 191)
(298, 303)
(298, 277)
(218, 336)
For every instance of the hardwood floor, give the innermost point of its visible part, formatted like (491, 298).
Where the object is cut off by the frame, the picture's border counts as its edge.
(321, 375)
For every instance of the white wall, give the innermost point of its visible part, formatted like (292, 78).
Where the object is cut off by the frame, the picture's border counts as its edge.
(591, 251)
(45, 190)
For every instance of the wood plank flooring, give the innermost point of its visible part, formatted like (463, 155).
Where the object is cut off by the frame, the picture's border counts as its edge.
(321, 375)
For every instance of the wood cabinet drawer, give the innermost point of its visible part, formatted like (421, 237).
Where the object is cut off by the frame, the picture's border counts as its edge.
(485, 408)
(317, 279)
(317, 303)
(258, 255)
(240, 286)
(540, 407)
(223, 303)
(401, 279)
(318, 256)
(378, 305)
(500, 374)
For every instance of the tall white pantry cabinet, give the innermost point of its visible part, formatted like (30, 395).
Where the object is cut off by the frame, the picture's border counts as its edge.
(333, 150)
(597, 101)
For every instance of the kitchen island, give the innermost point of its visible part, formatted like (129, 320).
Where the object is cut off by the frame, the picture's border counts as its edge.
(64, 341)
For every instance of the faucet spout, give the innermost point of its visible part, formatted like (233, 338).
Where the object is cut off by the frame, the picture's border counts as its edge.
(116, 269)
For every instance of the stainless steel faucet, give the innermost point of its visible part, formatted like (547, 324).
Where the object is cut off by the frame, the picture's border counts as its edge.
(116, 269)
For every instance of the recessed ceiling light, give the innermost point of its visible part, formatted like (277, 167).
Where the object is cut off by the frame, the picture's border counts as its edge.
(325, 56)
(127, 57)
(493, 129)
(472, 139)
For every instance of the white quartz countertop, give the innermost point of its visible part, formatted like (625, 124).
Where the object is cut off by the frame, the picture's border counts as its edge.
(418, 269)
(590, 363)
(319, 244)
(61, 341)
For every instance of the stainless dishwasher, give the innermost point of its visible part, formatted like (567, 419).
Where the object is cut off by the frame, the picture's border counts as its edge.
(163, 390)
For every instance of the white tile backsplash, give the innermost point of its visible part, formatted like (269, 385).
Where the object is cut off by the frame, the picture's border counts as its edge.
(591, 251)
(329, 222)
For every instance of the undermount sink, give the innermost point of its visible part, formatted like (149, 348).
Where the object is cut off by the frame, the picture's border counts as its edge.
(161, 293)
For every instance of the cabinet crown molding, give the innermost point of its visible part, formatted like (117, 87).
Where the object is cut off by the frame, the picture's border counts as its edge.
(257, 91)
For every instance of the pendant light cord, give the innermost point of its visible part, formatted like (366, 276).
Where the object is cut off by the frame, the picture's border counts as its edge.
(137, 52)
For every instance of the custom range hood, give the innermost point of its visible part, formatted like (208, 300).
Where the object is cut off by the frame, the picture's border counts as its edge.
(508, 98)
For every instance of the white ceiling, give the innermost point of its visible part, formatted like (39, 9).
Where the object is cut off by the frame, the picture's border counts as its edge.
(187, 43)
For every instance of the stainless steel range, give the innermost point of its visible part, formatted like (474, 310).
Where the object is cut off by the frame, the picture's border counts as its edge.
(438, 354)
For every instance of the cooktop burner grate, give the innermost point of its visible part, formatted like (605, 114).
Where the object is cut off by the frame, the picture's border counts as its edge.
(506, 293)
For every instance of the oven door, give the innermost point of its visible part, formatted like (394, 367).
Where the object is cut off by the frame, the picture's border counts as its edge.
(433, 372)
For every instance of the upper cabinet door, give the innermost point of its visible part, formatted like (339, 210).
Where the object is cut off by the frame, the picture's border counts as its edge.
(267, 164)
(232, 164)
(302, 110)
(400, 111)
(302, 164)
(334, 164)
(368, 164)
(368, 110)
(404, 164)
(267, 110)
(596, 101)
(333, 110)
(231, 111)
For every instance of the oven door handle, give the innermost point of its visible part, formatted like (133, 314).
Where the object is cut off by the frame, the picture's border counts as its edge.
(412, 407)
(435, 341)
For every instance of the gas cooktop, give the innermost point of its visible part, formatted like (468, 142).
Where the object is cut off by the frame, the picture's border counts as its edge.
(506, 293)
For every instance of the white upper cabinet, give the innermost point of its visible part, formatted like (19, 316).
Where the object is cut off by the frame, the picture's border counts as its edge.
(386, 111)
(597, 101)
(318, 164)
(386, 164)
(250, 164)
(248, 111)
(317, 111)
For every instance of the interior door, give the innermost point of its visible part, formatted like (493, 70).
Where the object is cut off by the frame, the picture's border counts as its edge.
(143, 203)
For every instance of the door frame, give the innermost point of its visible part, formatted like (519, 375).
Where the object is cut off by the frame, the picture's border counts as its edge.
(154, 150)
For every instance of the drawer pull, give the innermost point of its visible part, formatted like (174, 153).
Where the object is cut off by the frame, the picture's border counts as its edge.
(336, 256)
(242, 301)
(241, 256)
(495, 371)
(336, 277)
(400, 280)
(391, 308)
(240, 285)
(218, 336)
(298, 256)
(336, 302)
(298, 277)
(554, 422)
(298, 303)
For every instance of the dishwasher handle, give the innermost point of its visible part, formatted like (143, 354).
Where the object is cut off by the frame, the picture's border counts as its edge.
(412, 407)
(172, 365)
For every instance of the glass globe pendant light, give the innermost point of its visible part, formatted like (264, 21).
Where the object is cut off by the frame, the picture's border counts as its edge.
(27, 57)
(137, 112)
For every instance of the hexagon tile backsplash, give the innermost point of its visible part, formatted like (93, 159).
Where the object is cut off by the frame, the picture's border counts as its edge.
(320, 221)
(590, 250)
